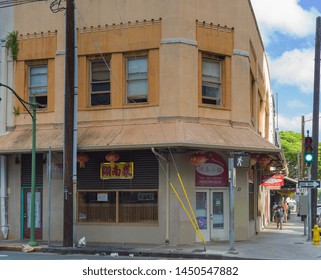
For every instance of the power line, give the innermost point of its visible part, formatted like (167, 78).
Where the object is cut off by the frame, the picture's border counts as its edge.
(11, 3)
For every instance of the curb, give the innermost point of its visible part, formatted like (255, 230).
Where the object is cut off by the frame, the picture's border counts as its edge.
(133, 253)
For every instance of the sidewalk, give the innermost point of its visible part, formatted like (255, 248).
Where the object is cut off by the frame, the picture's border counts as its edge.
(288, 243)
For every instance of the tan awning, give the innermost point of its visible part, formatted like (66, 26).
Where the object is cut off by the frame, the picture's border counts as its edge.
(131, 136)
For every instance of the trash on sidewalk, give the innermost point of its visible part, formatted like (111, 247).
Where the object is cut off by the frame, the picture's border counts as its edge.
(114, 254)
(81, 242)
(27, 248)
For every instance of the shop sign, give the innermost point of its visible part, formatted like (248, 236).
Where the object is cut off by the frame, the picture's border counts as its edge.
(117, 170)
(273, 182)
(213, 173)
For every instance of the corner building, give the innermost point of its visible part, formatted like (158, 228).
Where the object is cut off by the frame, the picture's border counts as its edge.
(167, 92)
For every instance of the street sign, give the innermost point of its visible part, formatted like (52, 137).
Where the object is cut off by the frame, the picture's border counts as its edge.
(309, 184)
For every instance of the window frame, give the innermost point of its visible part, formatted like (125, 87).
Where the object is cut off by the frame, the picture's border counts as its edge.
(225, 80)
(142, 98)
(212, 82)
(39, 64)
(108, 81)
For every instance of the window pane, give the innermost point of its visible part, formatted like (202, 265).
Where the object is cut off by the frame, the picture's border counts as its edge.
(211, 68)
(211, 91)
(138, 207)
(96, 207)
(38, 90)
(100, 87)
(100, 71)
(100, 99)
(100, 83)
(137, 65)
(38, 76)
(139, 87)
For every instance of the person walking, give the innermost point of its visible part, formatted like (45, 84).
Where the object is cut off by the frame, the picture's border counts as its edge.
(279, 215)
(274, 211)
(285, 211)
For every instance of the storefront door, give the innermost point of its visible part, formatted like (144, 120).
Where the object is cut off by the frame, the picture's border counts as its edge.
(27, 213)
(212, 214)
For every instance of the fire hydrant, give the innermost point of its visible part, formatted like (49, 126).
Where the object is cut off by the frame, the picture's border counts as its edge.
(316, 235)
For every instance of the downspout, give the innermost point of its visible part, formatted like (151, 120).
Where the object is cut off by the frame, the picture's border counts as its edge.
(3, 90)
(3, 197)
(167, 194)
(3, 128)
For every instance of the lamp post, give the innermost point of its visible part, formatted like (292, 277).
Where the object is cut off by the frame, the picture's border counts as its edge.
(34, 106)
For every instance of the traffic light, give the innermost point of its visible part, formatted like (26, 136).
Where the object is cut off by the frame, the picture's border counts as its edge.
(308, 150)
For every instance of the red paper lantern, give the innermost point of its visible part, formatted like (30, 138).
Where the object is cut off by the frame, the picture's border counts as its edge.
(112, 157)
(253, 160)
(263, 161)
(197, 159)
(82, 158)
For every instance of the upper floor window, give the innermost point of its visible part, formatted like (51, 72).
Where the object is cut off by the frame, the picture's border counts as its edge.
(100, 83)
(137, 79)
(38, 85)
(211, 81)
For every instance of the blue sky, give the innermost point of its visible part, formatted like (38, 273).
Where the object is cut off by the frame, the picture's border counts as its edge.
(288, 30)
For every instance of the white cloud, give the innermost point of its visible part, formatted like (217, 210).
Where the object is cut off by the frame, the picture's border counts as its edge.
(284, 16)
(288, 123)
(295, 68)
(293, 123)
(295, 104)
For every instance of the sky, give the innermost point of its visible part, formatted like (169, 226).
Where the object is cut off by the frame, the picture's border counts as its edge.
(288, 30)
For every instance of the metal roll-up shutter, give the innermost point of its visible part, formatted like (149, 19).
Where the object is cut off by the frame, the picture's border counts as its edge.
(26, 170)
(145, 171)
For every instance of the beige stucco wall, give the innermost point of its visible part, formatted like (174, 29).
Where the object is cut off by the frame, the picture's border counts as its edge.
(177, 62)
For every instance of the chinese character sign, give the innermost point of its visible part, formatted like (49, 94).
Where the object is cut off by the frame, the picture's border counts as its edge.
(117, 170)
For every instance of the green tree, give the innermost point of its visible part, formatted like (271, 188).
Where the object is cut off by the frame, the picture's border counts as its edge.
(291, 144)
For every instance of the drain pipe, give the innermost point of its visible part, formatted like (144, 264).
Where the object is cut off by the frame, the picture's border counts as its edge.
(167, 194)
(3, 128)
(3, 197)
(3, 90)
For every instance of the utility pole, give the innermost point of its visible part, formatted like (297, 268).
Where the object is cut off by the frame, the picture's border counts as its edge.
(302, 149)
(68, 125)
(315, 126)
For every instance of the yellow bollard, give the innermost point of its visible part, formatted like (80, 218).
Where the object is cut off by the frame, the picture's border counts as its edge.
(316, 235)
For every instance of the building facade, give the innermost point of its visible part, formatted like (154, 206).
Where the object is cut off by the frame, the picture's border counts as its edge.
(168, 91)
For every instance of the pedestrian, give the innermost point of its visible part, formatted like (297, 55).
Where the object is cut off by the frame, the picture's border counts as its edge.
(285, 211)
(279, 215)
(289, 211)
(274, 211)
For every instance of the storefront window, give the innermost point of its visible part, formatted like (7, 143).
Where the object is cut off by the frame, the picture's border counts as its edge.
(118, 206)
(97, 206)
(138, 207)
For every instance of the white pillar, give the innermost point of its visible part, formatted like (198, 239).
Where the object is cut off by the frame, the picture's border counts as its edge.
(3, 197)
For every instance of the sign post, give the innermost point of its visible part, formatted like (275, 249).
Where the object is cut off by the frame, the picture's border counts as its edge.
(231, 178)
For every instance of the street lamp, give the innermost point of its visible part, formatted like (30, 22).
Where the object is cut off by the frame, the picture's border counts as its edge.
(34, 106)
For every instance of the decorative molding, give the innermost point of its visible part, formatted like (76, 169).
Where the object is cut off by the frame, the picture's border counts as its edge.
(179, 41)
(241, 53)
